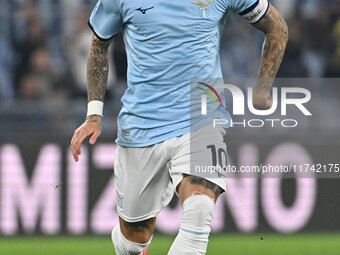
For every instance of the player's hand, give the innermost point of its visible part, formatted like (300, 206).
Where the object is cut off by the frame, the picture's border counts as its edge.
(91, 127)
(262, 100)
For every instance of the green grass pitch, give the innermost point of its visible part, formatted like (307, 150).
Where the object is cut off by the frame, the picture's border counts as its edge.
(271, 244)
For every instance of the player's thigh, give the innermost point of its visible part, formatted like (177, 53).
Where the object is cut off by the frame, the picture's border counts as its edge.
(139, 232)
(194, 166)
(143, 186)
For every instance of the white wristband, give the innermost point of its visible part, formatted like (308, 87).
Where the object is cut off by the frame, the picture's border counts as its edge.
(95, 108)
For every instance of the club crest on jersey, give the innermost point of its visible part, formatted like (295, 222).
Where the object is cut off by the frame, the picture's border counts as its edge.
(203, 10)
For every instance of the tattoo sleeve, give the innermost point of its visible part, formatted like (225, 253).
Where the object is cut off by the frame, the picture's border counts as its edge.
(276, 30)
(97, 69)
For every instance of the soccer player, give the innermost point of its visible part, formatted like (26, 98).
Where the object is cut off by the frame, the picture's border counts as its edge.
(168, 42)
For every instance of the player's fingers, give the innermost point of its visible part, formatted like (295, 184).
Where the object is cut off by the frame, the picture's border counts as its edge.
(75, 134)
(77, 143)
(74, 153)
(73, 145)
(269, 103)
(76, 157)
(94, 137)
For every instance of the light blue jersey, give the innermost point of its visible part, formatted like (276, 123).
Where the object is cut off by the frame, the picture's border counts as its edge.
(168, 42)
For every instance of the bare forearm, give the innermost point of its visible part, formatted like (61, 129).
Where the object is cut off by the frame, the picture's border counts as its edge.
(97, 70)
(274, 46)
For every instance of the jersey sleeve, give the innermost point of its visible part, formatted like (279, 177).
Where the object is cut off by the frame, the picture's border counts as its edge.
(251, 10)
(106, 19)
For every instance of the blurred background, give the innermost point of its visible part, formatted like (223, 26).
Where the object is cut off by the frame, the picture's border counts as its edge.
(44, 46)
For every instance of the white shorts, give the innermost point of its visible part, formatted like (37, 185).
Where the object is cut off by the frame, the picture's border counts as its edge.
(146, 178)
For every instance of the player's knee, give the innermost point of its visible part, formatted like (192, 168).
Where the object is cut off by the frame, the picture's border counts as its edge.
(140, 232)
(123, 246)
(197, 214)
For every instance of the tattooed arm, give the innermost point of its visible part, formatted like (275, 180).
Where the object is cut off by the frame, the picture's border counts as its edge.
(276, 30)
(97, 69)
(97, 73)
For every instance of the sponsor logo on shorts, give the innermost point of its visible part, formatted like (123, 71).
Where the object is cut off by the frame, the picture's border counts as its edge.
(120, 200)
